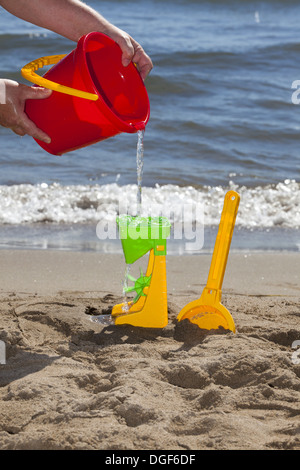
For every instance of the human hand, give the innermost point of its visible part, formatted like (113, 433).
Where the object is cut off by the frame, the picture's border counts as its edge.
(131, 50)
(13, 96)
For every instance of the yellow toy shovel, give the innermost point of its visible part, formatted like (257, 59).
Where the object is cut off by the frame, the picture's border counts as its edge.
(208, 312)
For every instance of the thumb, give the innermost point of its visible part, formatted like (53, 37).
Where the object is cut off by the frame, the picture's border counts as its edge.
(37, 93)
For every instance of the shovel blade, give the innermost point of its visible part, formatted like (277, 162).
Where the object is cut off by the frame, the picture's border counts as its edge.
(207, 317)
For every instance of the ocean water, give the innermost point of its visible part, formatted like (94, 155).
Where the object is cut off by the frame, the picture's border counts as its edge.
(222, 117)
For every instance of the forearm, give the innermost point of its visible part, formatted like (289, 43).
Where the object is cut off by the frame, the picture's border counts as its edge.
(69, 18)
(73, 19)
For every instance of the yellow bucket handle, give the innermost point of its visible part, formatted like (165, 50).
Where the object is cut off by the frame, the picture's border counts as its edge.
(28, 72)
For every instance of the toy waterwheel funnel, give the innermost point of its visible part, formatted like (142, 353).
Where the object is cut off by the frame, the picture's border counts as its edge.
(207, 312)
(141, 234)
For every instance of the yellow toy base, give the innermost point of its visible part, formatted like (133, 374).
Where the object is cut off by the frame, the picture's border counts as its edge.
(151, 310)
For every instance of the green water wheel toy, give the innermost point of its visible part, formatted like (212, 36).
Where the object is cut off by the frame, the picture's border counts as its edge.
(139, 236)
(139, 285)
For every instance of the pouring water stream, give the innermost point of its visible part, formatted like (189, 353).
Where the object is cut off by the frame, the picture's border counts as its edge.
(139, 169)
(104, 319)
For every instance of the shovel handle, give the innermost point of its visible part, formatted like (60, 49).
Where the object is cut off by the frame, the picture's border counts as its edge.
(223, 241)
(28, 72)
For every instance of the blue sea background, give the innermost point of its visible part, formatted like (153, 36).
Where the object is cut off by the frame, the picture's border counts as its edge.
(222, 117)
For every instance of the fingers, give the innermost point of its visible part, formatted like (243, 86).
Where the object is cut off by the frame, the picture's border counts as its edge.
(127, 50)
(131, 51)
(18, 130)
(137, 54)
(12, 114)
(35, 93)
(143, 61)
(28, 127)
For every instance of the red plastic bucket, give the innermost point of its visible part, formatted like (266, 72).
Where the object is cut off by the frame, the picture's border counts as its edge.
(74, 122)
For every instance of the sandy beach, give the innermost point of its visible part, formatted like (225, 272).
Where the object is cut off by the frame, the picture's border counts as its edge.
(70, 383)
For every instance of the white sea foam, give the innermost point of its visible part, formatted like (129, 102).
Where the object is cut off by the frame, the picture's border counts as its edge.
(260, 207)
